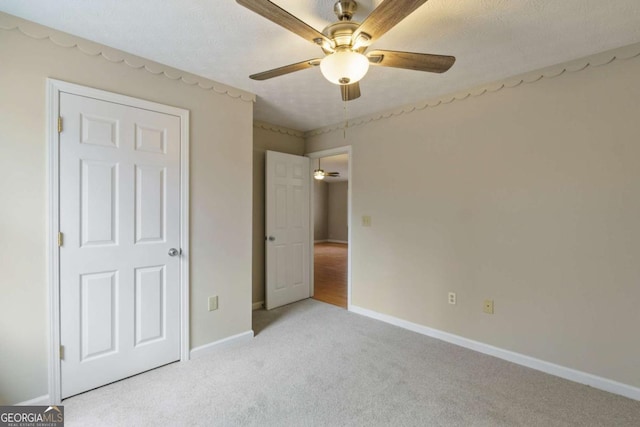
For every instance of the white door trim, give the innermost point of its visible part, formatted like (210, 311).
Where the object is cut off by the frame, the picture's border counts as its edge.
(325, 153)
(54, 89)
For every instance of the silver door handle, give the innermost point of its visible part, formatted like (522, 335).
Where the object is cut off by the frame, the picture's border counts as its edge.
(271, 238)
(174, 252)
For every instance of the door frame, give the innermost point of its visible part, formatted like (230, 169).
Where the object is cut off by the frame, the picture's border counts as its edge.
(316, 155)
(54, 89)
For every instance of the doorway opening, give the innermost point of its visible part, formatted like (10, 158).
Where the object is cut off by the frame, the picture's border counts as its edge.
(331, 207)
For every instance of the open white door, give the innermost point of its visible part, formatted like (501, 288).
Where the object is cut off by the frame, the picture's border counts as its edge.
(287, 229)
(120, 256)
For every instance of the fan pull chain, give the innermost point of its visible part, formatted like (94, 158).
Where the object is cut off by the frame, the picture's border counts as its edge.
(346, 121)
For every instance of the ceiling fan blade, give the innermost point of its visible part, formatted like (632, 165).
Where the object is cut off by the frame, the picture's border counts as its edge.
(350, 92)
(285, 70)
(411, 61)
(386, 16)
(278, 15)
(332, 174)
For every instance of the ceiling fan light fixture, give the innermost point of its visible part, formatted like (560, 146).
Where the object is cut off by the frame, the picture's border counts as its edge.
(318, 174)
(344, 67)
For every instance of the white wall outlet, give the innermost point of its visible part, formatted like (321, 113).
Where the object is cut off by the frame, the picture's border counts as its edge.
(213, 303)
(488, 306)
(366, 221)
(452, 297)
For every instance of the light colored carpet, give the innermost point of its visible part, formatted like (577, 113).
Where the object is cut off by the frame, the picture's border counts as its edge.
(313, 364)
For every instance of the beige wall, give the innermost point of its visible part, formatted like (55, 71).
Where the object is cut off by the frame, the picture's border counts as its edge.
(221, 169)
(265, 138)
(529, 196)
(338, 211)
(320, 210)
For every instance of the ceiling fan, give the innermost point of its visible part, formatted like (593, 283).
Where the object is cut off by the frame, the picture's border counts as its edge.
(345, 42)
(321, 174)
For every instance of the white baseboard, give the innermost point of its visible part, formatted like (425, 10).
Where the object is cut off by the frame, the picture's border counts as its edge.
(337, 241)
(320, 241)
(42, 400)
(517, 358)
(216, 345)
(257, 305)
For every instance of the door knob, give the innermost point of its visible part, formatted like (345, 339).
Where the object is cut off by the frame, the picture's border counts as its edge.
(174, 252)
(272, 238)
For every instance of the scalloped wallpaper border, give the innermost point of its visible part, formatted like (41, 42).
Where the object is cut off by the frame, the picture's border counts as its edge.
(596, 60)
(40, 32)
(277, 129)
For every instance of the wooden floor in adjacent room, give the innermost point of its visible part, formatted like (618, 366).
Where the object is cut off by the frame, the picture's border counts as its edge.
(330, 273)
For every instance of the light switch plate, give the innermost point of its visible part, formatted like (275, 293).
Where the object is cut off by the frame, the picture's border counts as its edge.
(213, 303)
(366, 221)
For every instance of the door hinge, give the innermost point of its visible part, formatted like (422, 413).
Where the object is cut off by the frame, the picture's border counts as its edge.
(60, 239)
(61, 352)
(59, 124)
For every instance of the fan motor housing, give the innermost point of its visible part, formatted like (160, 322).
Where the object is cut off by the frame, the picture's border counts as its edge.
(341, 33)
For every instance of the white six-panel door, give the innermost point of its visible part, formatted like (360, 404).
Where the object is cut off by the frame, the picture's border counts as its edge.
(287, 228)
(120, 216)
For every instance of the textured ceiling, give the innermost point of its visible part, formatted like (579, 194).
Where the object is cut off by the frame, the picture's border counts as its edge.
(223, 41)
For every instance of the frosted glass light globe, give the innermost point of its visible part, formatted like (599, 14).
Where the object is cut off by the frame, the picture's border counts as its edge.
(344, 67)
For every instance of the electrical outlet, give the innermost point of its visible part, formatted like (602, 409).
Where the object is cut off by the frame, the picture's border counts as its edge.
(213, 303)
(452, 297)
(366, 221)
(488, 306)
